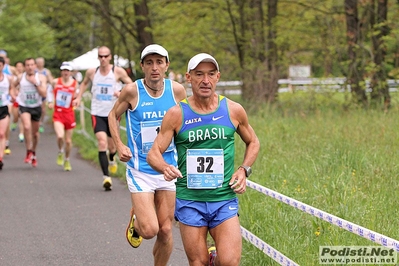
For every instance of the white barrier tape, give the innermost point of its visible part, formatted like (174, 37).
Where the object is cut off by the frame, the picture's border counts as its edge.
(267, 249)
(86, 135)
(87, 109)
(351, 227)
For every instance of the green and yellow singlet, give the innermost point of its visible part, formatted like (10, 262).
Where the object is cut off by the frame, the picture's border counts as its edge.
(205, 148)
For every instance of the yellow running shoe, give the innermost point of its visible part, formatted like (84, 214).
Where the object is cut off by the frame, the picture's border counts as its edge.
(60, 158)
(107, 183)
(67, 165)
(7, 151)
(132, 236)
(13, 126)
(113, 167)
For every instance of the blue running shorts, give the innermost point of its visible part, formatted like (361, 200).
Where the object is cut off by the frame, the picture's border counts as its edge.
(209, 214)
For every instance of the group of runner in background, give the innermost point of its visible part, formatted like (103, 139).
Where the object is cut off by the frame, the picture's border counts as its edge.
(26, 89)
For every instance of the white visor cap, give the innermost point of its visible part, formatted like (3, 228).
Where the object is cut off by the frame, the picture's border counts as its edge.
(199, 58)
(154, 49)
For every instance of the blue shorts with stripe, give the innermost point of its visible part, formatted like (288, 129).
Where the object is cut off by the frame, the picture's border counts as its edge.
(209, 214)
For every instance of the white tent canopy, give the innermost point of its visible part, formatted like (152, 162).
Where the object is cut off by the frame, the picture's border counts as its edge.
(90, 60)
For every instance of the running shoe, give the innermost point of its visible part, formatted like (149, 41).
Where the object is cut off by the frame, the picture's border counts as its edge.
(28, 158)
(7, 151)
(212, 256)
(67, 165)
(60, 159)
(107, 183)
(34, 161)
(1, 165)
(132, 236)
(13, 126)
(21, 137)
(41, 129)
(113, 167)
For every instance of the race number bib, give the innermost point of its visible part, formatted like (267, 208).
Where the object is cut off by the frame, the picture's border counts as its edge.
(63, 99)
(104, 92)
(31, 98)
(205, 168)
(149, 131)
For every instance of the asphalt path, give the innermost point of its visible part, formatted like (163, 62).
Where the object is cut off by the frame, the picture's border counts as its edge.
(52, 217)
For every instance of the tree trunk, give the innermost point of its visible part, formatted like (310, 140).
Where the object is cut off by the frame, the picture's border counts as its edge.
(106, 26)
(272, 56)
(379, 85)
(255, 59)
(257, 51)
(355, 75)
(143, 23)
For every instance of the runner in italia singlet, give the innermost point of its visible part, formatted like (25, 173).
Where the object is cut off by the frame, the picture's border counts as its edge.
(43, 71)
(103, 93)
(205, 147)
(28, 95)
(7, 70)
(143, 122)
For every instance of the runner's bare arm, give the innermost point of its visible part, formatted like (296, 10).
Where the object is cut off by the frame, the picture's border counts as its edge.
(170, 124)
(127, 98)
(123, 76)
(179, 91)
(83, 86)
(247, 134)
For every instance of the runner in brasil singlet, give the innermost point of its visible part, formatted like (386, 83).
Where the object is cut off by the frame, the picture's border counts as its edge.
(205, 146)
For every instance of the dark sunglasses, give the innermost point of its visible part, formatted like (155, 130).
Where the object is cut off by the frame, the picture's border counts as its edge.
(103, 56)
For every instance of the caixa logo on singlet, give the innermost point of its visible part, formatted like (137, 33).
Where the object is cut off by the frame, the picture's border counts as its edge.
(193, 120)
(147, 104)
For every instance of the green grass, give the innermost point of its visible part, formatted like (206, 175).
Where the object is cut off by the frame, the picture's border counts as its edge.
(88, 145)
(342, 161)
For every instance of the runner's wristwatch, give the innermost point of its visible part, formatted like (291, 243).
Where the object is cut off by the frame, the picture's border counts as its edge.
(247, 169)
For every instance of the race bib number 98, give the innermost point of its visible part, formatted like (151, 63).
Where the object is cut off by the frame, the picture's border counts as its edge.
(63, 99)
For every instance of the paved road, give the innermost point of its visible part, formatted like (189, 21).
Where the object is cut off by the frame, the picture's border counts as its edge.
(52, 217)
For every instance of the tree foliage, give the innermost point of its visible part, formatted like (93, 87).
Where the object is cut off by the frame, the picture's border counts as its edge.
(254, 40)
(23, 32)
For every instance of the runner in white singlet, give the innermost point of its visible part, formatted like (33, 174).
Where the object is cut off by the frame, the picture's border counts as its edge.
(32, 88)
(105, 88)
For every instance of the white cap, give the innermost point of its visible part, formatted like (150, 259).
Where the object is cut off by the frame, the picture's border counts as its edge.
(203, 57)
(154, 49)
(66, 65)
